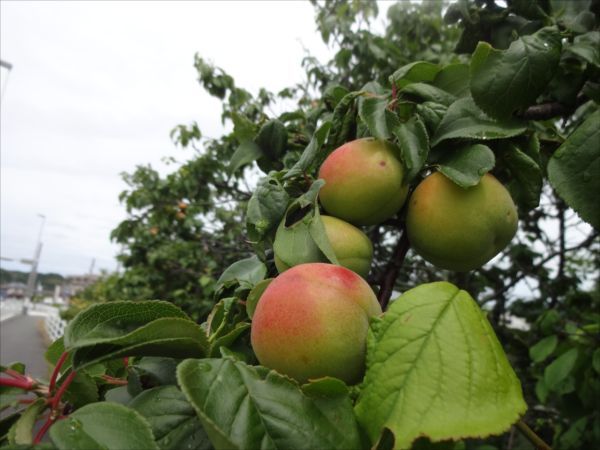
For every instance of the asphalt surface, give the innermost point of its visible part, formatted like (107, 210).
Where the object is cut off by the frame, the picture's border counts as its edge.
(21, 340)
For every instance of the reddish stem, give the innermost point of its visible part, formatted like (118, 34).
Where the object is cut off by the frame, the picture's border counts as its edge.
(56, 370)
(61, 390)
(15, 374)
(26, 384)
(49, 421)
(126, 361)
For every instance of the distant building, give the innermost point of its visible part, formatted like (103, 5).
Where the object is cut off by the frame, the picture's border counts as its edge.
(13, 290)
(77, 283)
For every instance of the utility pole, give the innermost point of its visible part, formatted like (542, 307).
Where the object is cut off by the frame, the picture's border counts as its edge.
(34, 266)
(8, 67)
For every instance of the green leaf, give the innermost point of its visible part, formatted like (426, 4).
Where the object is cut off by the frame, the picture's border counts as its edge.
(455, 79)
(246, 153)
(82, 390)
(560, 369)
(436, 369)
(103, 426)
(310, 154)
(543, 348)
(587, 47)
(254, 296)
(343, 123)
(272, 139)
(431, 114)
(526, 180)
(414, 145)
(249, 407)
(466, 165)
(266, 207)
(573, 170)
(429, 93)
(158, 369)
(118, 395)
(465, 120)
(376, 115)
(173, 420)
(596, 360)
(21, 432)
(415, 72)
(6, 422)
(503, 81)
(245, 272)
(151, 328)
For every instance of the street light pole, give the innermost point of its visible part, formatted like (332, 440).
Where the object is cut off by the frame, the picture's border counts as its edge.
(34, 265)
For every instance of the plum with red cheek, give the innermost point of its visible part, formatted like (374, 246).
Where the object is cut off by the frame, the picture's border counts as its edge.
(312, 321)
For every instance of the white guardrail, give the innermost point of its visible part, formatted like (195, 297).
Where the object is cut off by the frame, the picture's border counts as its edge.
(55, 326)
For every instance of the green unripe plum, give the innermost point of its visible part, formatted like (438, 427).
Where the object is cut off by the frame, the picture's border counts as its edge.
(460, 229)
(351, 246)
(312, 321)
(364, 182)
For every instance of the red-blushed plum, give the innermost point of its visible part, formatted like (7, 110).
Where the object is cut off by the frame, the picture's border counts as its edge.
(364, 182)
(351, 246)
(312, 321)
(460, 229)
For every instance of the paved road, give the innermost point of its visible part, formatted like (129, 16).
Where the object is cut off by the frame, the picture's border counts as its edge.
(21, 340)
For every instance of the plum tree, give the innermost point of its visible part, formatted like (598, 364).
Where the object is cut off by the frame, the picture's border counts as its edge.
(460, 229)
(351, 246)
(312, 321)
(364, 182)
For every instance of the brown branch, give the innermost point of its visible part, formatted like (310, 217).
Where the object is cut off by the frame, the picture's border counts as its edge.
(391, 270)
(537, 441)
(549, 110)
(586, 242)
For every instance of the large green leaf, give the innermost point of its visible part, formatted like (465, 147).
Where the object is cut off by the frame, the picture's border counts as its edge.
(153, 328)
(429, 93)
(503, 81)
(465, 120)
(435, 369)
(310, 155)
(266, 207)
(272, 139)
(560, 368)
(21, 432)
(466, 165)
(379, 119)
(246, 153)
(173, 420)
(245, 272)
(103, 426)
(587, 47)
(526, 180)
(573, 170)
(414, 145)
(243, 407)
(543, 348)
(455, 79)
(415, 72)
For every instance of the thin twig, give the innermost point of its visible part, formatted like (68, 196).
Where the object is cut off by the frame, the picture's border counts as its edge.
(537, 441)
(391, 271)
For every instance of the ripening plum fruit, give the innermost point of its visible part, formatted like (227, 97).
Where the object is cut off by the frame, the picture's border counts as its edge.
(364, 182)
(460, 229)
(312, 322)
(351, 246)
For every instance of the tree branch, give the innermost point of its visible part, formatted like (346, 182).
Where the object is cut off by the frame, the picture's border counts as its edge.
(391, 270)
(549, 110)
(537, 441)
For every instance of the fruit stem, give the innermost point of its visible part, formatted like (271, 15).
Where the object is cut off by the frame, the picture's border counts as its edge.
(537, 441)
(392, 269)
(18, 383)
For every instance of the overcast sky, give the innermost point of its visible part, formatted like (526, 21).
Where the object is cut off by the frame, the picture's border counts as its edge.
(94, 91)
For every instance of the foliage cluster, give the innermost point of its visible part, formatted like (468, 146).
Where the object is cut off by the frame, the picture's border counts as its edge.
(464, 89)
